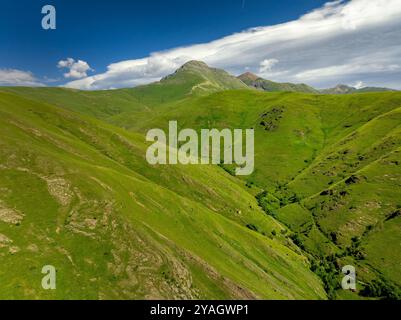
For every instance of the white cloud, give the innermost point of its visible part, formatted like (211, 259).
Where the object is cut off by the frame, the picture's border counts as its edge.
(359, 85)
(77, 69)
(352, 68)
(343, 41)
(13, 77)
(267, 65)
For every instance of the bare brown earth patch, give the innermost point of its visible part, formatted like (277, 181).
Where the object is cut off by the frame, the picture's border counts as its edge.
(59, 188)
(4, 240)
(9, 215)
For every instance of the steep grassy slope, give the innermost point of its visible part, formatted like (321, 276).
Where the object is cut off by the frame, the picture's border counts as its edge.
(98, 104)
(286, 132)
(326, 166)
(331, 165)
(78, 194)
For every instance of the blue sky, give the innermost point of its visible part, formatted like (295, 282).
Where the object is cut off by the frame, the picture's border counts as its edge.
(103, 33)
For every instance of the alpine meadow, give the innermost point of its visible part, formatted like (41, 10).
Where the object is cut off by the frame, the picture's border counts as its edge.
(320, 187)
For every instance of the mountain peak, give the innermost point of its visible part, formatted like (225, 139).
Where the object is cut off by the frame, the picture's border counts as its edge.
(193, 66)
(248, 76)
(195, 63)
(203, 79)
(196, 66)
(340, 89)
(343, 86)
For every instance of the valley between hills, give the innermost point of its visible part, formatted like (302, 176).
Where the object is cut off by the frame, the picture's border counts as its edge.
(78, 193)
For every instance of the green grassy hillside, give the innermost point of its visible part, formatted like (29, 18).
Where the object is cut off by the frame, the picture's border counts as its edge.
(324, 193)
(78, 194)
(331, 165)
(194, 78)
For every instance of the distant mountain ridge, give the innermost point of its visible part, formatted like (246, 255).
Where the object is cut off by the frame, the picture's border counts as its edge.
(344, 89)
(259, 83)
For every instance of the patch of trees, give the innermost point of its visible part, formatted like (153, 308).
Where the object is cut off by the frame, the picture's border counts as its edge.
(297, 241)
(327, 270)
(267, 202)
(351, 180)
(252, 227)
(393, 215)
(355, 250)
(381, 288)
(270, 119)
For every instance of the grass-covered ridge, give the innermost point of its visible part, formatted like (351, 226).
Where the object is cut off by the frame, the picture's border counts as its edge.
(79, 195)
(324, 193)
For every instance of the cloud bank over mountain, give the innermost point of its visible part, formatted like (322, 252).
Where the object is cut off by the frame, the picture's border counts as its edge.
(343, 41)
